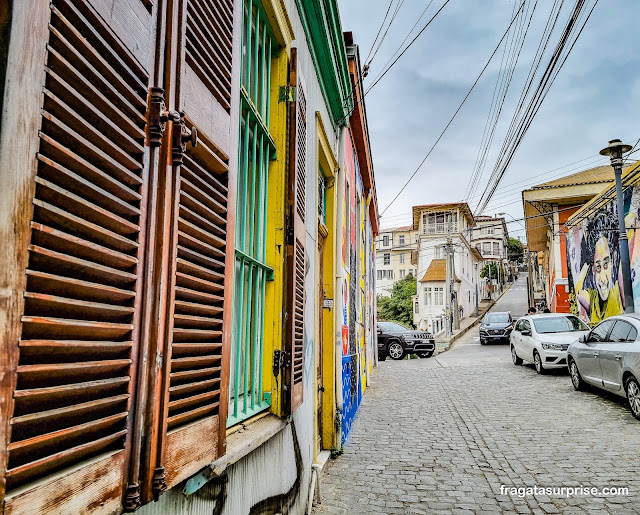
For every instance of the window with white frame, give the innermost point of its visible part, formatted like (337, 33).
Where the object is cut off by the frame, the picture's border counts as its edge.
(438, 296)
(427, 296)
(402, 259)
(386, 259)
(486, 248)
(402, 274)
(437, 252)
(385, 241)
(401, 239)
(416, 308)
(379, 275)
(496, 249)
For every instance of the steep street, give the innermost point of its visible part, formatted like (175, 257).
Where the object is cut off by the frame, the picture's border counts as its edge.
(448, 434)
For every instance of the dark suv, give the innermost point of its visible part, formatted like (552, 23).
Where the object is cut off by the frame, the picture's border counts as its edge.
(496, 327)
(396, 340)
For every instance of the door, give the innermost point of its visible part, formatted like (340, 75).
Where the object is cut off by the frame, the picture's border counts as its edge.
(526, 341)
(516, 337)
(588, 354)
(320, 346)
(612, 353)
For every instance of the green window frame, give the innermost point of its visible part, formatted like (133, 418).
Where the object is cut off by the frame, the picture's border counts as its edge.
(256, 150)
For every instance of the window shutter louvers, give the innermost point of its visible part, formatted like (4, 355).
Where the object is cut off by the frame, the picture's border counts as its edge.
(296, 252)
(78, 347)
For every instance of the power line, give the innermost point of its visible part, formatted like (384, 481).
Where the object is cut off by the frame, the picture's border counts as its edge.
(554, 65)
(458, 109)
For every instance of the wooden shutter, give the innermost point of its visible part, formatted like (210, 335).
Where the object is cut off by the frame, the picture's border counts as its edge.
(78, 348)
(192, 403)
(296, 257)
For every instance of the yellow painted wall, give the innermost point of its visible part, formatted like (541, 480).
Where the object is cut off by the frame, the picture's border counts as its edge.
(328, 164)
(276, 251)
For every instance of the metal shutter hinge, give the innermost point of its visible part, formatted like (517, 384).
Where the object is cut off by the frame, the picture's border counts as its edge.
(158, 116)
(158, 483)
(132, 497)
(181, 136)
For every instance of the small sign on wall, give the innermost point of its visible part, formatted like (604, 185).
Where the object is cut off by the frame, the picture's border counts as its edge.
(328, 303)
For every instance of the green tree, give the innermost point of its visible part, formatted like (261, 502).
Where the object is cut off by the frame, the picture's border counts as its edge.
(494, 270)
(515, 250)
(399, 307)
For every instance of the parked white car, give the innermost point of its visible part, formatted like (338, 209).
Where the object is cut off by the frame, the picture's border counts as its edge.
(609, 358)
(544, 339)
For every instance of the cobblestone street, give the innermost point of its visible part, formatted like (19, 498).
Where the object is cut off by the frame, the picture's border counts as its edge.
(442, 435)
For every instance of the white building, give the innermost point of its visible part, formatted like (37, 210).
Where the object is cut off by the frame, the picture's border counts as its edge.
(435, 224)
(490, 237)
(393, 257)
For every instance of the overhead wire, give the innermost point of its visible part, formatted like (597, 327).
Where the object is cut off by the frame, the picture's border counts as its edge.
(457, 110)
(548, 77)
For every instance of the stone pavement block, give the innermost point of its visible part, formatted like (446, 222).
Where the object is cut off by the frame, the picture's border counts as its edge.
(443, 434)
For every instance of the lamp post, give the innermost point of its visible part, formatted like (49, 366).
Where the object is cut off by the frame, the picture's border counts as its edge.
(615, 150)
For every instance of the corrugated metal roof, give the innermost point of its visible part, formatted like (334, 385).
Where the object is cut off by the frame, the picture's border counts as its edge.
(595, 175)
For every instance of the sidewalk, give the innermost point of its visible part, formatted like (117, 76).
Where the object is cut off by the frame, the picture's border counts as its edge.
(443, 343)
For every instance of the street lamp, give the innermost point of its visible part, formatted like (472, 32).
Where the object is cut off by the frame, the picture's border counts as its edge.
(615, 150)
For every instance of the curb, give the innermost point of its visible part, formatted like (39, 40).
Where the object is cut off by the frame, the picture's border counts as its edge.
(464, 331)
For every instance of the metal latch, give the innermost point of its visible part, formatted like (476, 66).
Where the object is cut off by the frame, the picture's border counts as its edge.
(287, 94)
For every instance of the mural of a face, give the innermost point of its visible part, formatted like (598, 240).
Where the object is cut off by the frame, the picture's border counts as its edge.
(602, 267)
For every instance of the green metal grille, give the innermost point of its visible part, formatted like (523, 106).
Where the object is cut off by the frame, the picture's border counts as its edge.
(246, 395)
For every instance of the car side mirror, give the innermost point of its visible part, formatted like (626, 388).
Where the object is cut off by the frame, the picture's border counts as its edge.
(583, 339)
(526, 332)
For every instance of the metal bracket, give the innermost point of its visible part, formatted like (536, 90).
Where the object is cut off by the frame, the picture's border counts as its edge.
(181, 136)
(158, 483)
(158, 116)
(287, 94)
(279, 358)
(132, 498)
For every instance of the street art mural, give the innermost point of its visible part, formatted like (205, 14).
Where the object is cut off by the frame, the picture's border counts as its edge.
(352, 296)
(593, 259)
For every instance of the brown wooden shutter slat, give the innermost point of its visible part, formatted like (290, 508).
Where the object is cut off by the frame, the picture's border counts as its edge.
(36, 468)
(42, 281)
(55, 153)
(79, 340)
(208, 48)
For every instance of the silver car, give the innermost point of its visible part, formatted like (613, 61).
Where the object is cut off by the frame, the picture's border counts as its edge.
(609, 358)
(544, 339)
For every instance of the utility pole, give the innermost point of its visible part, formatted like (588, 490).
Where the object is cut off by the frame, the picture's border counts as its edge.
(447, 287)
(490, 280)
(615, 150)
(477, 278)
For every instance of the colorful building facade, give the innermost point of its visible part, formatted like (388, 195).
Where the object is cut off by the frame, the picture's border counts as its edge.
(593, 254)
(174, 225)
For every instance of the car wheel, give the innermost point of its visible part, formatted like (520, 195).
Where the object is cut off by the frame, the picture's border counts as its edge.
(483, 342)
(537, 362)
(426, 354)
(395, 350)
(516, 360)
(576, 379)
(633, 396)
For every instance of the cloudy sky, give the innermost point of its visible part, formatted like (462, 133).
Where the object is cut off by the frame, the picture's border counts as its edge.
(595, 98)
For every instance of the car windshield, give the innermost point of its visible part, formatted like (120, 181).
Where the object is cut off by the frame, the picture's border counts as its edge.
(392, 327)
(559, 325)
(497, 318)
